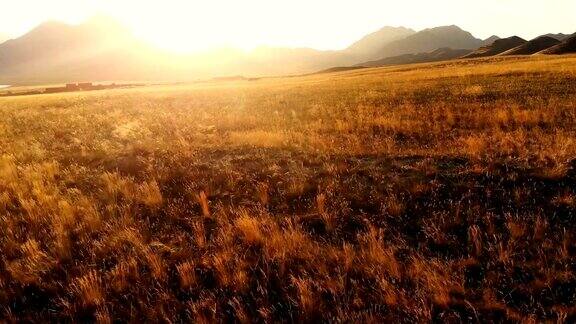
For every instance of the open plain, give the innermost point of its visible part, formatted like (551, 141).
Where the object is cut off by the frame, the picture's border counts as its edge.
(435, 192)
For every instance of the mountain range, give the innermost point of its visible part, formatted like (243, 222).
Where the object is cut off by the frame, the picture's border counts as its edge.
(371, 44)
(560, 36)
(430, 40)
(497, 47)
(102, 49)
(534, 46)
(567, 46)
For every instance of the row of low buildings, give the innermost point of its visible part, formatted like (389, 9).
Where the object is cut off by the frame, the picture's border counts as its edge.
(73, 87)
(70, 87)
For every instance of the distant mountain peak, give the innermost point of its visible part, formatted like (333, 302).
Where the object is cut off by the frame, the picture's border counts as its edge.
(490, 40)
(568, 45)
(49, 25)
(446, 29)
(498, 46)
(512, 38)
(559, 36)
(395, 28)
(431, 39)
(450, 31)
(534, 46)
(369, 45)
(55, 43)
(44, 32)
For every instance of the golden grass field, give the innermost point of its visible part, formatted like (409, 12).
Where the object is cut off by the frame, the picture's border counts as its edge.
(442, 192)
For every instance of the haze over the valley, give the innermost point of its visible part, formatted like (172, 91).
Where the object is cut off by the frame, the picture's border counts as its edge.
(183, 41)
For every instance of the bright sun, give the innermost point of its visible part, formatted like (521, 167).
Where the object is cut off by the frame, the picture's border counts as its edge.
(190, 26)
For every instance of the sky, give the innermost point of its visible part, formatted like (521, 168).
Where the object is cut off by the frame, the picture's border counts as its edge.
(191, 25)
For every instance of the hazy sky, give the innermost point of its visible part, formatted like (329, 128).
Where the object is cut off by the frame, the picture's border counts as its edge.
(322, 24)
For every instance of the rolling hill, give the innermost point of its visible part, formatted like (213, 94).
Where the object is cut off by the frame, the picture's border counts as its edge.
(534, 46)
(566, 47)
(441, 54)
(559, 36)
(497, 47)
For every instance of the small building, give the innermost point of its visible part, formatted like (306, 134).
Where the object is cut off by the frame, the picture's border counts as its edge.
(85, 85)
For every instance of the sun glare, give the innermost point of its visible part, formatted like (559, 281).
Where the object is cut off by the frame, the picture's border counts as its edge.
(191, 26)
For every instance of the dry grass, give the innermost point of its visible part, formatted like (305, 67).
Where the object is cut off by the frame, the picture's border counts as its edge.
(442, 192)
